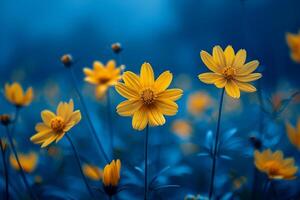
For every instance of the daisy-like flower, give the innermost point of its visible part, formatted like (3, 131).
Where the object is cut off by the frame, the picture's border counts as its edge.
(274, 165)
(198, 102)
(55, 126)
(293, 41)
(28, 161)
(229, 70)
(294, 134)
(92, 172)
(182, 128)
(111, 177)
(148, 99)
(15, 94)
(102, 76)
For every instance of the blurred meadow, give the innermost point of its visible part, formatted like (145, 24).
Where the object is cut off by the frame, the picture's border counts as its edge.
(125, 100)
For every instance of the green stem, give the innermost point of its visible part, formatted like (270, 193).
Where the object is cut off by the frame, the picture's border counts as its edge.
(109, 120)
(6, 195)
(85, 111)
(212, 179)
(79, 165)
(146, 163)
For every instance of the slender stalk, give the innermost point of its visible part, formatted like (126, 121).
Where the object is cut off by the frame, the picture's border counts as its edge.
(146, 163)
(212, 179)
(266, 188)
(6, 194)
(109, 121)
(79, 165)
(85, 111)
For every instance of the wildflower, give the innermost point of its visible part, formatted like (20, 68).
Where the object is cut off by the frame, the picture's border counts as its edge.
(229, 70)
(55, 126)
(148, 99)
(294, 134)
(116, 47)
(293, 41)
(5, 119)
(27, 161)
(198, 102)
(15, 95)
(102, 76)
(182, 128)
(111, 177)
(92, 172)
(274, 165)
(67, 60)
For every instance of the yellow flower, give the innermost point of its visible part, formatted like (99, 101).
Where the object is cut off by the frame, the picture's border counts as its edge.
(54, 126)
(27, 161)
(274, 165)
(182, 128)
(148, 99)
(293, 41)
(14, 93)
(92, 172)
(197, 102)
(294, 133)
(111, 173)
(102, 76)
(229, 70)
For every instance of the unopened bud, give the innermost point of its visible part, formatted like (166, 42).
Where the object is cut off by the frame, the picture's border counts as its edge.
(5, 119)
(67, 60)
(116, 47)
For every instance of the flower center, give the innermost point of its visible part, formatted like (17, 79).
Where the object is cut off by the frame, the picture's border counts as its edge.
(148, 96)
(103, 80)
(229, 72)
(273, 168)
(57, 124)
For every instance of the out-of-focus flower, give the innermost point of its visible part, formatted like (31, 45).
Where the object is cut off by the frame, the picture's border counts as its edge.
(5, 119)
(14, 93)
(102, 76)
(294, 133)
(116, 47)
(67, 60)
(182, 128)
(28, 161)
(111, 177)
(148, 99)
(92, 172)
(54, 126)
(293, 41)
(274, 165)
(198, 102)
(238, 182)
(53, 151)
(229, 70)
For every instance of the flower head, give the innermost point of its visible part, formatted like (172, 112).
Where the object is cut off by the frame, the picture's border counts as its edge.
(294, 133)
(293, 41)
(15, 94)
(148, 99)
(28, 161)
(229, 70)
(54, 126)
(102, 76)
(111, 177)
(182, 128)
(198, 102)
(92, 172)
(67, 60)
(274, 165)
(116, 47)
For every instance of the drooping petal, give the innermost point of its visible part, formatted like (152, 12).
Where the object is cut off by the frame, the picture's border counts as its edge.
(75, 117)
(41, 135)
(163, 81)
(28, 96)
(49, 141)
(156, 118)
(232, 89)
(147, 75)
(248, 78)
(248, 68)
(140, 119)
(126, 92)
(17, 93)
(209, 77)
(229, 55)
(209, 62)
(240, 58)
(47, 116)
(246, 87)
(131, 80)
(88, 71)
(128, 107)
(171, 94)
(220, 83)
(219, 57)
(167, 107)
(100, 91)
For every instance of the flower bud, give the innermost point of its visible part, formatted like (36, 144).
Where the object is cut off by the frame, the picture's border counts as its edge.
(5, 119)
(67, 60)
(116, 47)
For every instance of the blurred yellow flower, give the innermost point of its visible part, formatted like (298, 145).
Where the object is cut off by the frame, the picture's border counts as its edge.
(229, 70)
(102, 76)
(54, 126)
(293, 41)
(198, 102)
(14, 93)
(111, 173)
(274, 165)
(182, 128)
(148, 99)
(27, 161)
(294, 134)
(92, 172)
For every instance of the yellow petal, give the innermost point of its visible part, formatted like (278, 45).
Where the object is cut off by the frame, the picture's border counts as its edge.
(47, 116)
(147, 75)
(140, 119)
(155, 117)
(28, 96)
(291, 132)
(75, 117)
(163, 81)
(248, 68)
(41, 127)
(209, 62)
(132, 80)
(171, 94)
(220, 83)
(209, 78)
(111, 65)
(98, 66)
(240, 58)
(91, 80)
(126, 92)
(88, 71)
(41, 135)
(17, 93)
(101, 91)
(167, 107)
(248, 78)
(128, 107)
(49, 141)
(229, 55)
(219, 57)
(232, 89)
(246, 87)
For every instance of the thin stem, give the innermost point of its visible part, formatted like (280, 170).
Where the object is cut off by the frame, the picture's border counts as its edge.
(109, 120)
(6, 195)
(212, 179)
(146, 163)
(85, 111)
(266, 188)
(79, 165)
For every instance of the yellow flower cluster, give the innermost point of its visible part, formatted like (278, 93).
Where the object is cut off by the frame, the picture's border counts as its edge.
(28, 161)
(293, 41)
(111, 173)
